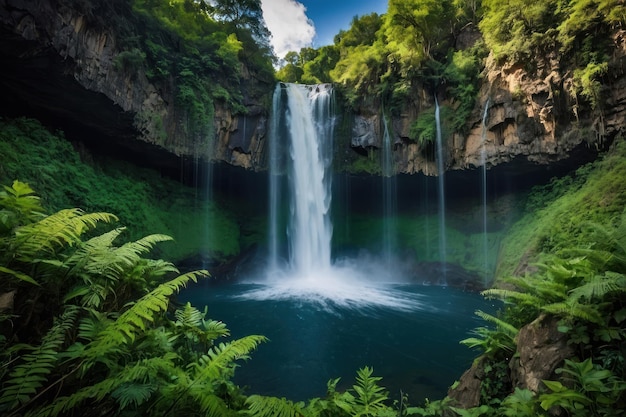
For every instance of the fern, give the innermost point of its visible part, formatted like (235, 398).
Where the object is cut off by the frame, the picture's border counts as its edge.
(492, 341)
(18, 275)
(218, 362)
(132, 394)
(572, 308)
(19, 206)
(599, 286)
(138, 373)
(134, 320)
(53, 232)
(370, 396)
(215, 329)
(28, 377)
(261, 406)
(512, 296)
(508, 329)
(188, 316)
(104, 267)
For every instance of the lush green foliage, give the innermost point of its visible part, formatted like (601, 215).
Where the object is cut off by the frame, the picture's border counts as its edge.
(198, 49)
(141, 198)
(384, 60)
(113, 348)
(582, 283)
(558, 215)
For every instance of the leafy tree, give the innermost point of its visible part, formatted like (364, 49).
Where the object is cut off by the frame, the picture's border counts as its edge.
(417, 25)
(515, 29)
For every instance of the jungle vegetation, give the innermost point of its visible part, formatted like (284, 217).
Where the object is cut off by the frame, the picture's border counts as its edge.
(443, 46)
(88, 323)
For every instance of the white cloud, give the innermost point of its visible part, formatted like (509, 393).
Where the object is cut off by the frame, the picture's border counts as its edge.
(290, 27)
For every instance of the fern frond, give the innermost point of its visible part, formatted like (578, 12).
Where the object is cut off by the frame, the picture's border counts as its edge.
(58, 230)
(370, 396)
(145, 244)
(572, 308)
(215, 329)
(188, 316)
(94, 254)
(140, 372)
(262, 406)
(220, 359)
(211, 404)
(511, 296)
(599, 286)
(29, 376)
(19, 275)
(134, 320)
(132, 394)
(507, 328)
(21, 205)
(95, 393)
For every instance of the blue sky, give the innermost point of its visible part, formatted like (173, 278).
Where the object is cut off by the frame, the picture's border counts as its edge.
(298, 23)
(330, 16)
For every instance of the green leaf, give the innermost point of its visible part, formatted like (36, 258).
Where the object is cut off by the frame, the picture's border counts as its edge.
(19, 275)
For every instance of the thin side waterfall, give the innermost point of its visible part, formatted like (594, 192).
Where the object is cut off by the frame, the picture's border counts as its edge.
(442, 199)
(274, 167)
(389, 197)
(483, 164)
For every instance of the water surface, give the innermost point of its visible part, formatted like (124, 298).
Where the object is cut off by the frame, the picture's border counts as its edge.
(413, 345)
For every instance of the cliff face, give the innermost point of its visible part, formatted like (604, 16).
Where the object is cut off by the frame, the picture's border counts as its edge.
(59, 66)
(531, 115)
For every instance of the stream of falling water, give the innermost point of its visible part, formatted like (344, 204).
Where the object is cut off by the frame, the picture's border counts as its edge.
(483, 163)
(442, 197)
(303, 122)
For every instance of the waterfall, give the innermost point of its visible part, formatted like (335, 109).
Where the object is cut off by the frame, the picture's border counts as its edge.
(274, 167)
(301, 149)
(442, 199)
(389, 196)
(310, 128)
(483, 163)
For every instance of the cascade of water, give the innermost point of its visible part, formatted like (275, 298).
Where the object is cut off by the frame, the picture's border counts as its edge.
(389, 196)
(303, 121)
(483, 163)
(442, 199)
(310, 128)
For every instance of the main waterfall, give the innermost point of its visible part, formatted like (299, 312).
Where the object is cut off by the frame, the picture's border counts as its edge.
(300, 165)
(310, 127)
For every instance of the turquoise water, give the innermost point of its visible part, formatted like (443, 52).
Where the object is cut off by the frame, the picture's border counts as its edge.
(413, 345)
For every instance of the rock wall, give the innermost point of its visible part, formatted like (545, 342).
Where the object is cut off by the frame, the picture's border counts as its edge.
(524, 113)
(61, 66)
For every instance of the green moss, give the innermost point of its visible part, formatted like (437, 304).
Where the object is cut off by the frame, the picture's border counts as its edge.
(559, 214)
(144, 201)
